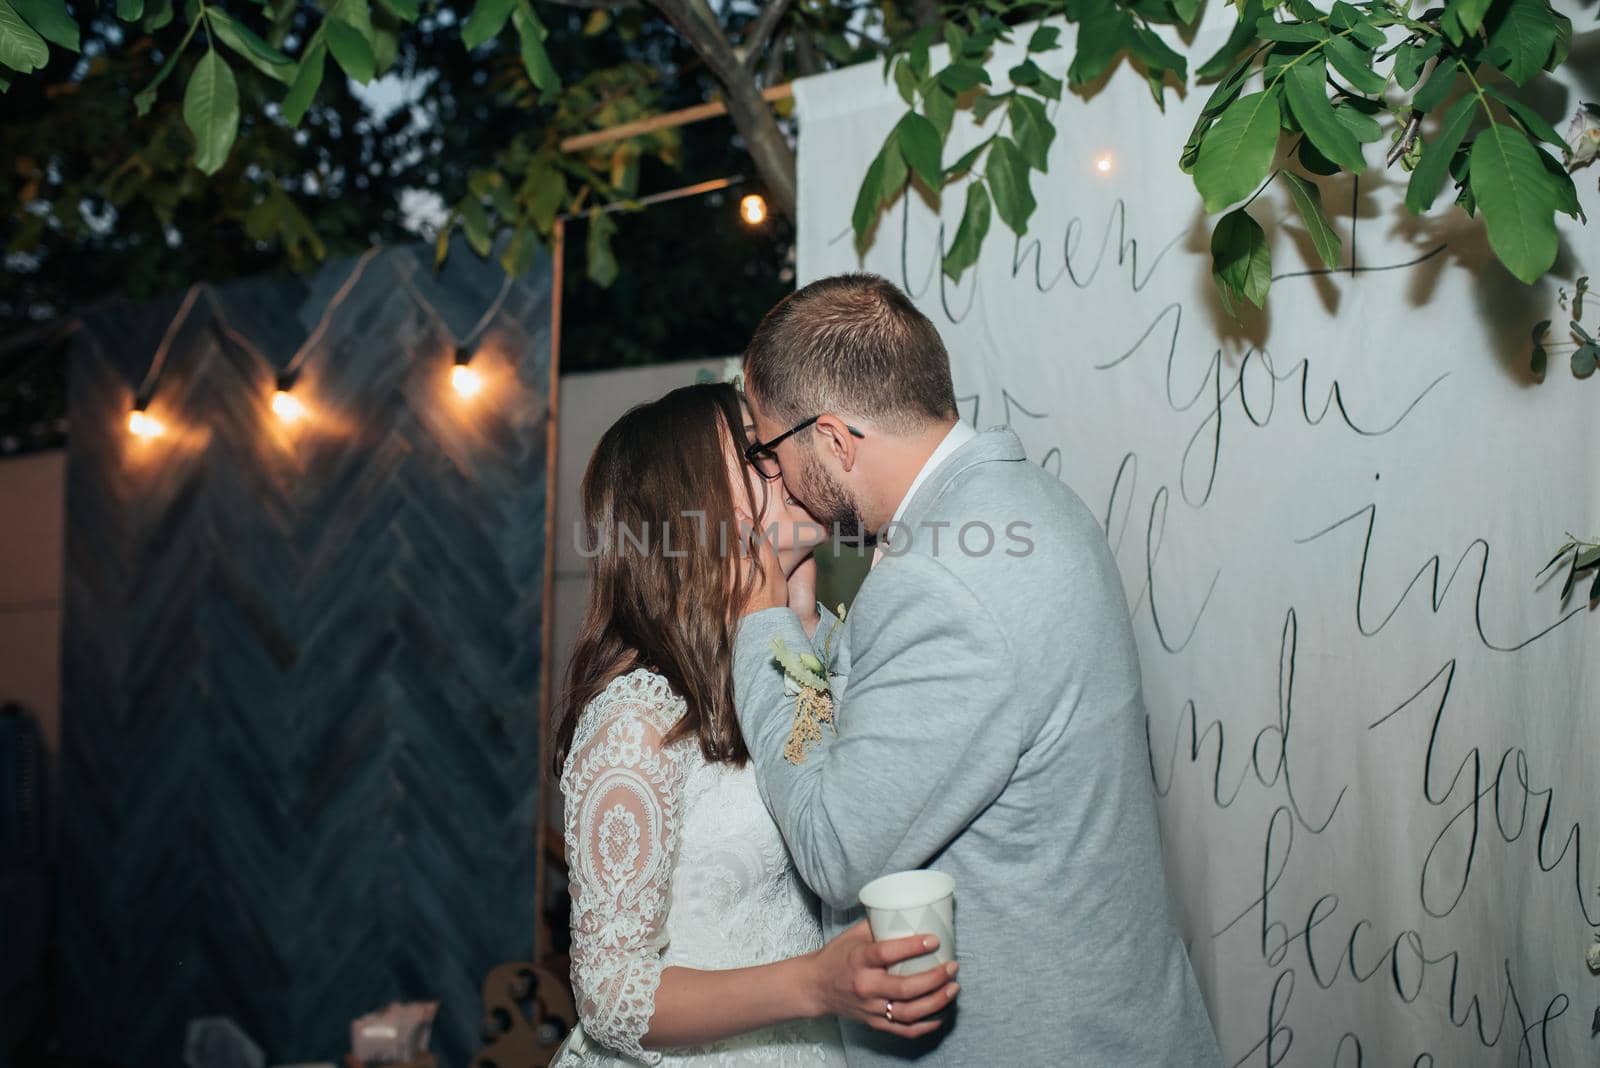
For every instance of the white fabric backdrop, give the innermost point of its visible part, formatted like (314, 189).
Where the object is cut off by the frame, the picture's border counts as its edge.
(1374, 736)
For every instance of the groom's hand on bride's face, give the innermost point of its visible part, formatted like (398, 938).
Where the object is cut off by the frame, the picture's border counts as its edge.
(771, 588)
(852, 982)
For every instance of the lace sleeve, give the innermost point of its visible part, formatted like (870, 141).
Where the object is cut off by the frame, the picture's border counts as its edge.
(622, 790)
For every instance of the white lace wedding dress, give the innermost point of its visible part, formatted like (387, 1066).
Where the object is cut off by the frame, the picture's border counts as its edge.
(673, 861)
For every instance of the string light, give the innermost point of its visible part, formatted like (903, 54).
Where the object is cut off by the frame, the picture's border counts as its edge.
(464, 377)
(289, 408)
(141, 424)
(1105, 163)
(753, 209)
(467, 380)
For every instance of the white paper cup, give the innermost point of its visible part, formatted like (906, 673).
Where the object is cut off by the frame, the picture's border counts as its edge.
(913, 903)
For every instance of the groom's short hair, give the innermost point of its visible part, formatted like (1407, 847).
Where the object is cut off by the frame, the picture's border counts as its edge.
(852, 344)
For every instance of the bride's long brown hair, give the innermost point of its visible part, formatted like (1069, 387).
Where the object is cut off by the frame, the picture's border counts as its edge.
(663, 540)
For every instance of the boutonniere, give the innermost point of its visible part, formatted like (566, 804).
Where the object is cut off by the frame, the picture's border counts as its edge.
(813, 705)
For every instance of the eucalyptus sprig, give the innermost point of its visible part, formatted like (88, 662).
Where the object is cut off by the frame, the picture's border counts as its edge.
(1580, 556)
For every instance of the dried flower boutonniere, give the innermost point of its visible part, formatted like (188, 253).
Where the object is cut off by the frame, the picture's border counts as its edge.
(813, 704)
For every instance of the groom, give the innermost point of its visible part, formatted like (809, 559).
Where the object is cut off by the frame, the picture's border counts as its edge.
(992, 726)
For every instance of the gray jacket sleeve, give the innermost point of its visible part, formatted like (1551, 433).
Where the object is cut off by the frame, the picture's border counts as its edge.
(927, 735)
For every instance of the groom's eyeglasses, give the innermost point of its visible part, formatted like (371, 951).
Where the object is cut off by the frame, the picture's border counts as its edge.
(763, 457)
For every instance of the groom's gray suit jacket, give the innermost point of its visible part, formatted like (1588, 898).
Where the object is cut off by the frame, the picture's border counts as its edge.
(992, 727)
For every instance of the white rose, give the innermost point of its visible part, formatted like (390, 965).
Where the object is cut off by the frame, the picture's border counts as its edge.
(1583, 135)
(1593, 957)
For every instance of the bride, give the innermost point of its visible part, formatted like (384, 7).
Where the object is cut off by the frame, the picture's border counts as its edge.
(693, 940)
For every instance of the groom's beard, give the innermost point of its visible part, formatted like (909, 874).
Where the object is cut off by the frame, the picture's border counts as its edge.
(831, 503)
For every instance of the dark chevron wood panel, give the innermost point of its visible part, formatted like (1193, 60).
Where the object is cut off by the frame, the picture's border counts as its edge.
(301, 667)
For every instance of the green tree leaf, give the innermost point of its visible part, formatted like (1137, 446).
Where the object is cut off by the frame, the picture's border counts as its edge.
(987, 105)
(1157, 55)
(1565, 196)
(1409, 60)
(955, 37)
(1032, 130)
(895, 171)
(249, 47)
(1241, 264)
(1517, 200)
(146, 97)
(964, 164)
(488, 18)
(520, 252)
(1364, 127)
(1362, 29)
(1026, 73)
(602, 265)
(385, 47)
(130, 10)
(1308, 100)
(307, 79)
(1008, 175)
(1237, 151)
(917, 52)
(1528, 118)
(1563, 45)
(959, 77)
(1243, 36)
(20, 48)
(1522, 42)
(535, 58)
(475, 224)
(1270, 29)
(1428, 178)
(1308, 201)
(211, 111)
(940, 109)
(869, 199)
(1464, 17)
(351, 49)
(921, 146)
(1044, 39)
(544, 190)
(969, 237)
(50, 18)
(1436, 88)
(1102, 37)
(1355, 65)
(404, 10)
(905, 82)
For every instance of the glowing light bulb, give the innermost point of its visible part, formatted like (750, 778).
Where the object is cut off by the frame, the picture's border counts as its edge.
(753, 209)
(1105, 163)
(141, 424)
(467, 382)
(287, 406)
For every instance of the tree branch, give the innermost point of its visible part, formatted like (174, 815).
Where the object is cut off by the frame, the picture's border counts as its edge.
(761, 30)
(752, 115)
(591, 5)
(1413, 127)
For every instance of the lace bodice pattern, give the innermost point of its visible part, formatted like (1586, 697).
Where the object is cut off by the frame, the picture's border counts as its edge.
(673, 861)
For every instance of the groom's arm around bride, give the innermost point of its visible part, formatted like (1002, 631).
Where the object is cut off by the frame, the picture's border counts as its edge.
(992, 725)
